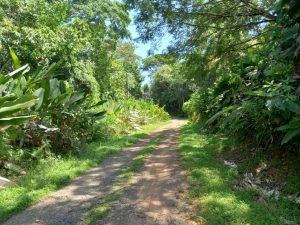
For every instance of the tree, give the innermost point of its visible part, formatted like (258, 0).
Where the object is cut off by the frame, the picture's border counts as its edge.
(125, 78)
(206, 32)
(243, 55)
(81, 33)
(170, 89)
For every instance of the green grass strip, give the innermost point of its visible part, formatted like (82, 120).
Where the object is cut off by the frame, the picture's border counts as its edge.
(55, 172)
(212, 186)
(99, 211)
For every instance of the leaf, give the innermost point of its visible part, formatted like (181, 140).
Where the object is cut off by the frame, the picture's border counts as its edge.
(98, 115)
(98, 104)
(7, 98)
(13, 121)
(14, 58)
(289, 135)
(259, 93)
(218, 114)
(54, 89)
(293, 107)
(4, 79)
(39, 93)
(292, 125)
(63, 98)
(75, 98)
(21, 103)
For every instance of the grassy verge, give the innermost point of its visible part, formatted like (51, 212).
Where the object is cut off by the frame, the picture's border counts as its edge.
(212, 186)
(101, 210)
(54, 172)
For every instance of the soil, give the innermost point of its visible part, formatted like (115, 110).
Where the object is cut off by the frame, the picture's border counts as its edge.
(152, 198)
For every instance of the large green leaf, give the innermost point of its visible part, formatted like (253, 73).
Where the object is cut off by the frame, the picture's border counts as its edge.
(63, 98)
(54, 89)
(18, 104)
(7, 98)
(75, 98)
(13, 121)
(290, 135)
(39, 93)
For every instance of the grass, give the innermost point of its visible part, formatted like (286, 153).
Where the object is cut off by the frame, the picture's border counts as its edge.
(54, 172)
(212, 186)
(99, 211)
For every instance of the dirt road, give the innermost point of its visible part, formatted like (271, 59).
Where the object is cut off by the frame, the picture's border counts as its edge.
(153, 197)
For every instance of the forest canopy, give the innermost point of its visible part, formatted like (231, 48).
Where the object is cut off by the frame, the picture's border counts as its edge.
(243, 57)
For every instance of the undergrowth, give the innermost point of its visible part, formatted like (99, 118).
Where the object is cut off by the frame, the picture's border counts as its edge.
(213, 185)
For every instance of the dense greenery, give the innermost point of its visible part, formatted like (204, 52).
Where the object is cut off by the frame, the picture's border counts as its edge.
(68, 76)
(241, 60)
(170, 89)
(242, 57)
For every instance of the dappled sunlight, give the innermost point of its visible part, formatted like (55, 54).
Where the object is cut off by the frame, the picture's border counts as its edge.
(212, 184)
(153, 196)
(82, 80)
(85, 191)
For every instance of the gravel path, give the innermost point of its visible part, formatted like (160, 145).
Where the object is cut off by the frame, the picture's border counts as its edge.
(152, 199)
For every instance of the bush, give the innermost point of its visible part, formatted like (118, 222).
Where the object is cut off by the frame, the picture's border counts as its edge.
(128, 115)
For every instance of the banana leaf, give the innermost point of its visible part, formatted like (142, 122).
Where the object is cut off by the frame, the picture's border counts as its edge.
(13, 121)
(7, 98)
(21, 103)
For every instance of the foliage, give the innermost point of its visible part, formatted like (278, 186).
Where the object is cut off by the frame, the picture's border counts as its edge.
(82, 34)
(170, 89)
(125, 78)
(12, 102)
(205, 32)
(59, 121)
(244, 58)
(128, 115)
(214, 187)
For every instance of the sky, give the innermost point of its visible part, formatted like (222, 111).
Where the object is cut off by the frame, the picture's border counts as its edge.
(142, 49)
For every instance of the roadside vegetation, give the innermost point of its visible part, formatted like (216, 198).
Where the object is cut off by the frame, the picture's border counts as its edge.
(71, 94)
(238, 64)
(222, 194)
